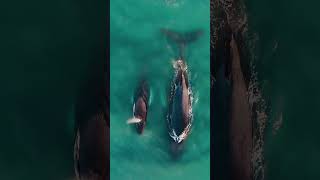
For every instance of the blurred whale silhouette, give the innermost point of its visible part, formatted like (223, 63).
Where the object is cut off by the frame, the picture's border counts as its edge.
(241, 137)
(91, 145)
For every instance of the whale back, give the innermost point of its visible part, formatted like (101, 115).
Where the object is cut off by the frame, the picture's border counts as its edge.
(140, 106)
(179, 116)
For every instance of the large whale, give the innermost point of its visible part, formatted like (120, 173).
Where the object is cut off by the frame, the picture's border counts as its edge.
(180, 104)
(140, 106)
(240, 119)
(179, 117)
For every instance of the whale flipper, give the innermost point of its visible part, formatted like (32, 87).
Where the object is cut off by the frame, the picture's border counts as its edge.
(133, 120)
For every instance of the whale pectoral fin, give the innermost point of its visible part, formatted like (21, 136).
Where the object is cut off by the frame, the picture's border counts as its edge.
(134, 120)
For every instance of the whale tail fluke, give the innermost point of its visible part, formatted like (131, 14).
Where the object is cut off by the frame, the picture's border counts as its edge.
(134, 120)
(182, 39)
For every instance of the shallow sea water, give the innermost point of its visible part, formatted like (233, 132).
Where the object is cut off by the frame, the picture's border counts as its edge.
(137, 48)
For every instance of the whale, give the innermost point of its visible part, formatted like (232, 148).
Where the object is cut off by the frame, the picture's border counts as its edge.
(180, 104)
(180, 116)
(91, 142)
(140, 106)
(241, 130)
(91, 149)
(233, 124)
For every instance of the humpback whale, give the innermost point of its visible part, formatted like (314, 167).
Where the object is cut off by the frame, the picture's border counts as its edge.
(140, 106)
(179, 116)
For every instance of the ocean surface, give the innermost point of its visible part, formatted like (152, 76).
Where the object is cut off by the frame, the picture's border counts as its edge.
(46, 52)
(138, 49)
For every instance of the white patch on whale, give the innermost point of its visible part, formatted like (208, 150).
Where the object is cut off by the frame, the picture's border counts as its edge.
(133, 120)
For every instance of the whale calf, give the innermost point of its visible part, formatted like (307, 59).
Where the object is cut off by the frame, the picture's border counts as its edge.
(140, 106)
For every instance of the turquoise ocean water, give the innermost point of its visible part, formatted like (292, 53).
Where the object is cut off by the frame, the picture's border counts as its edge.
(137, 48)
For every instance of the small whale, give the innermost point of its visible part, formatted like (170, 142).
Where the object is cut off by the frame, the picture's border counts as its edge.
(140, 106)
(179, 117)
